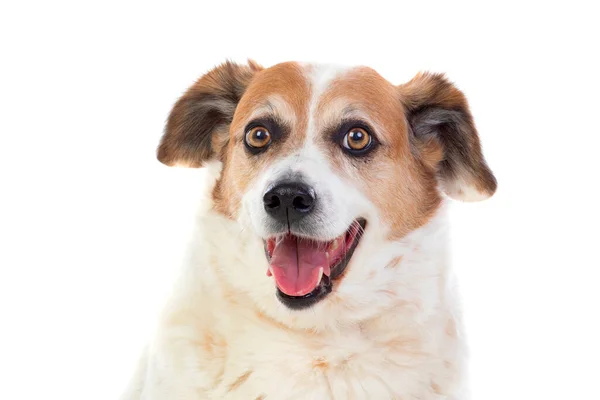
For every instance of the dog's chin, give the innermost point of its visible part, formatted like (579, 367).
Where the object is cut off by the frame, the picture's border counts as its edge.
(305, 268)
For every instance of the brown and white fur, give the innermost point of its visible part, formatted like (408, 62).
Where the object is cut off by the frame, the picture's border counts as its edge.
(391, 327)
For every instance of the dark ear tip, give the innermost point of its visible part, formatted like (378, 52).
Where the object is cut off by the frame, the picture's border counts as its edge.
(162, 155)
(486, 181)
(435, 78)
(491, 182)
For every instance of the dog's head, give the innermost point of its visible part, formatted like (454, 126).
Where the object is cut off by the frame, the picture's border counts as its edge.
(318, 158)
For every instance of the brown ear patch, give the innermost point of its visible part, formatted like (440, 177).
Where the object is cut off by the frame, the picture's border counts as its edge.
(197, 128)
(439, 117)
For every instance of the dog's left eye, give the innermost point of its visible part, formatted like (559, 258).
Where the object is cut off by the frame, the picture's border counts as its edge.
(357, 140)
(258, 138)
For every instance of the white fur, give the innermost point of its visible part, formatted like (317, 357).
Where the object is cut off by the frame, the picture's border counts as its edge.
(320, 77)
(386, 331)
(349, 336)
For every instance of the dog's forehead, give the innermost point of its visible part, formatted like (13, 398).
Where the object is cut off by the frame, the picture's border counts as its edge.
(360, 93)
(315, 95)
(274, 89)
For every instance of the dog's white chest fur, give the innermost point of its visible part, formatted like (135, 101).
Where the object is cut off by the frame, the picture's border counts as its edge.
(276, 363)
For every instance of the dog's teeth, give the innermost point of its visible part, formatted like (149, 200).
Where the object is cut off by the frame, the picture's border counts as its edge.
(269, 272)
(334, 245)
(320, 275)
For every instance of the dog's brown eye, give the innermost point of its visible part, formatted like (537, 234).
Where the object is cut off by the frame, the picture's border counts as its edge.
(357, 139)
(258, 137)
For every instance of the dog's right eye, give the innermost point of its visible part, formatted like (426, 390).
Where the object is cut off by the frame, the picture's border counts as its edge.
(257, 138)
(357, 139)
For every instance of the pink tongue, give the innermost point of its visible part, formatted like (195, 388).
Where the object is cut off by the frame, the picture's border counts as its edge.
(295, 264)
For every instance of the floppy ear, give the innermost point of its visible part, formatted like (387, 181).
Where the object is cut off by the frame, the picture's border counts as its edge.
(439, 118)
(198, 126)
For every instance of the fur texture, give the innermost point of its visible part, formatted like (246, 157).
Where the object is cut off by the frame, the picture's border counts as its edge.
(390, 328)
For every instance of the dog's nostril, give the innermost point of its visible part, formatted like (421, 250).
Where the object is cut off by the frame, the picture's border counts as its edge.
(302, 203)
(272, 201)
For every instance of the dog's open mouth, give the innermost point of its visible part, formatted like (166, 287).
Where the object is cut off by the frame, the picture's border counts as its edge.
(303, 269)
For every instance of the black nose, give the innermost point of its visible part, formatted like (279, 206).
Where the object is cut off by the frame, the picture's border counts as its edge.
(288, 202)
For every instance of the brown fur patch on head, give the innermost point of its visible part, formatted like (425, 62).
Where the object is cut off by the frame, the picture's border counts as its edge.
(281, 92)
(197, 127)
(440, 119)
(395, 178)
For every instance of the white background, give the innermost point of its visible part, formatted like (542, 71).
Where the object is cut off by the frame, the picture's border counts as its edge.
(92, 226)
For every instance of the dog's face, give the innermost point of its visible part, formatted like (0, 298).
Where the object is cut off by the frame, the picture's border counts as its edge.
(317, 158)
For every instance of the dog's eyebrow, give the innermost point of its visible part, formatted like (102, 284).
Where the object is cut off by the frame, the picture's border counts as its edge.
(261, 111)
(345, 123)
(349, 116)
(275, 108)
(350, 111)
(272, 118)
(353, 112)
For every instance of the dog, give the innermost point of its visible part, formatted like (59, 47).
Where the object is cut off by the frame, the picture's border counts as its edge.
(319, 268)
